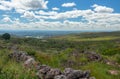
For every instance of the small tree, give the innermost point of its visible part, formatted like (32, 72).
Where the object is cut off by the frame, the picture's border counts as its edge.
(6, 36)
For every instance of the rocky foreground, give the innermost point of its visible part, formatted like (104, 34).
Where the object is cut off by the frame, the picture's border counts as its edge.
(46, 72)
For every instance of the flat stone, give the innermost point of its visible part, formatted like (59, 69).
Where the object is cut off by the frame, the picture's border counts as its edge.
(113, 72)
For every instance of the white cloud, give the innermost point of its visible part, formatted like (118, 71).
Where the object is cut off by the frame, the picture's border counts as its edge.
(23, 4)
(30, 4)
(6, 19)
(50, 13)
(72, 4)
(4, 8)
(92, 20)
(21, 11)
(5, 5)
(55, 8)
(66, 25)
(71, 14)
(29, 15)
(102, 9)
(101, 17)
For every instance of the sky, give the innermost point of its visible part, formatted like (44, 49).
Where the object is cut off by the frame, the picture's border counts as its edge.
(60, 14)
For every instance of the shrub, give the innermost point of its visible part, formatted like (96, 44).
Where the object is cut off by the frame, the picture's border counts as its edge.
(6, 36)
(111, 52)
(31, 52)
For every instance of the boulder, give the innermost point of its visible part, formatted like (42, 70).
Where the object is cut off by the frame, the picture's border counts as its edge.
(60, 77)
(18, 55)
(113, 72)
(52, 73)
(37, 66)
(86, 74)
(76, 74)
(29, 63)
(67, 71)
(92, 56)
(43, 71)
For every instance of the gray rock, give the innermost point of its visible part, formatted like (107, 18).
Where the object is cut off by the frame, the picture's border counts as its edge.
(93, 56)
(52, 73)
(43, 71)
(60, 77)
(92, 78)
(86, 74)
(29, 63)
(37, 67)
(23, 57)
(67, 71)
(76, 74)
(18, 55)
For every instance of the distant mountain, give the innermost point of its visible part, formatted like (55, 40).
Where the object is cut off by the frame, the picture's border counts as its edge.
(37, 33)
(40, 33)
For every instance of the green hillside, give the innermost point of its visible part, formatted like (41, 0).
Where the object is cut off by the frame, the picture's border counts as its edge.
(64, 51)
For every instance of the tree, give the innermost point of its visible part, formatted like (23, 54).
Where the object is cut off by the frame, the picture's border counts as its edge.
(6, 36)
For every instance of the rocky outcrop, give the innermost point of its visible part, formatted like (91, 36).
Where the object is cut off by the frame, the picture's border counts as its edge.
(76, 74)
(111, 63)
(92, 56)
(46, 72)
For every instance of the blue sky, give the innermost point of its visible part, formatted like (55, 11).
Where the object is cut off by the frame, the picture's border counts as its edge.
(60, 14)
(85, 4)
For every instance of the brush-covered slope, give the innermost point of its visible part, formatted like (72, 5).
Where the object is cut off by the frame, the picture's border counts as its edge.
(65, 51)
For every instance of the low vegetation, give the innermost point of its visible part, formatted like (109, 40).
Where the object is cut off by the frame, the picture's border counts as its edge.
(63, 51)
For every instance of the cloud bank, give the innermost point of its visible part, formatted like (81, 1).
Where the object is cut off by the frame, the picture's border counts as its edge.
(34, 14)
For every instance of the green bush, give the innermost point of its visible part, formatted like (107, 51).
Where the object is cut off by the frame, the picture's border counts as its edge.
(6, 36)
(112, 51)
(31, 52)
